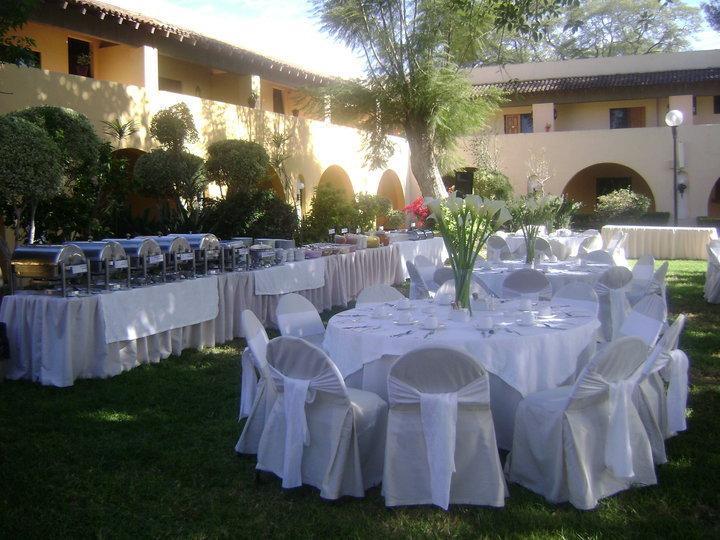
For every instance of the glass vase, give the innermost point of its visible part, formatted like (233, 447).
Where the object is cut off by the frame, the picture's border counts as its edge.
(463, 279)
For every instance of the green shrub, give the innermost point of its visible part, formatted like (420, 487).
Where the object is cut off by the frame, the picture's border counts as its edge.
(622, 206)
(173, 127)
(331, 209)
(30, 168)
(395, 220)
(492, 184)
(368, 208)
(257, 213)
(236, 165)
(566, 211)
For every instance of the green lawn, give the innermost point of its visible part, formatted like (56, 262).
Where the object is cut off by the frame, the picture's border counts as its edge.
(150, 453)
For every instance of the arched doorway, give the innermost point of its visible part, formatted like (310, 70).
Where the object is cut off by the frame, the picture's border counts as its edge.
(591, 182)
(713, 207)
(336, 177)
(391, 188)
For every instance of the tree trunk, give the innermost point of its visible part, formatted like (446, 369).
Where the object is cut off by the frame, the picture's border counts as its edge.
(31, 228)
(422, 158)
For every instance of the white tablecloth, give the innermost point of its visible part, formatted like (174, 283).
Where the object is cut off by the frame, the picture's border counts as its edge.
(139, 313)
(559, 274)
(432, 248)
(572, 242)
(55, 341)
(527, 358)
(663, 242)
(290, 277)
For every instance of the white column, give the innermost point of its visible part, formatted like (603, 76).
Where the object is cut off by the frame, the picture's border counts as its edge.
(151, 74)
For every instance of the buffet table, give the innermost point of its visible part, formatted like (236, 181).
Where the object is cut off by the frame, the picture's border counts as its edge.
(663, 242)
(55, 340)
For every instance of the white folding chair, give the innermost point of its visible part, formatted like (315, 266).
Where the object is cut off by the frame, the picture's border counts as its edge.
(711, 291)
(319, 432)
(297, 316)
(441, 447)
(418, 288)
(618, 250)
(497, 248)
(584, 442)
(646, 319)
(543, 248)
(577, 295)
(663, 413)
(611, 288)
(598, 257)
(657, 283)
(442, 275)
(378, 293)
(256, 396)
(642, 275)
(590, 243)
(526, 282)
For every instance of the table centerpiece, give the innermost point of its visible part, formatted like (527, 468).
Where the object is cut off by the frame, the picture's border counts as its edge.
(465, 225)
(529, 213)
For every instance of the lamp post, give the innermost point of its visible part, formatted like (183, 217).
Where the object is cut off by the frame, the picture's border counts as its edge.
(673, 119)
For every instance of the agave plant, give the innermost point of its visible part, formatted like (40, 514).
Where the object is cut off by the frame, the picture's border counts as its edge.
(120, 130)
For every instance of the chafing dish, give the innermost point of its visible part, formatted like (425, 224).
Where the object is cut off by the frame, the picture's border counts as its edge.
(247, 241)
(46, 267)
(236, 254)
(105, 259)
(266, 242)
(261, 256)
(146, 259)
(207, 251)
(179, 255)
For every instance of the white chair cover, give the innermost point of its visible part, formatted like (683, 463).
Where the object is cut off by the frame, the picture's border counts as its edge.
(442, 275)
(577, 295)
(591, 232)
(618, 250)
(712, 277)
(476, 288)
(497, 248)
(642, 275)
(543, 248)
(584, 442)
(563, 232)
(650, 396)
(598, 257)
(657, 283)
(298, 317)
(559, 250)
(592, 243)
(319, 432)
(441, 445)
(418, 288)
(378, 293)
(526, 282)
(614, 241)
(646, 320)
(256, 397)
(426, 268)
(611, 289)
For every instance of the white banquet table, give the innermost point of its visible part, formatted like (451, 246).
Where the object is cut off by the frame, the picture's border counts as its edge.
(432, 248)
(573, 241)
(522, 359)
(663, 242)
(559, 273)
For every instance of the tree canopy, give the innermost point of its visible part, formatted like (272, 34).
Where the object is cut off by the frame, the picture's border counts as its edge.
(413, 51)
(13, 14)
(712, 13)
(602, 28)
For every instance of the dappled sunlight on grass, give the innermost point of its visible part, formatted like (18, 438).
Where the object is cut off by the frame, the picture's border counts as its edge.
(108, 416)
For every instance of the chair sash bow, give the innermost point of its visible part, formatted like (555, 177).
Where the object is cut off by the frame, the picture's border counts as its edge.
(248, 386)
(676, 372)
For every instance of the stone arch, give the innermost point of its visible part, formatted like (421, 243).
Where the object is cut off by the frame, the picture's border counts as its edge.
(713, 204)
(391, 188)
(336, 177)
(584, 185)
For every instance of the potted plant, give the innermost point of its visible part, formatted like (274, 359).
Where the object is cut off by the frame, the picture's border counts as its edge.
(252, 99)
(82, 65)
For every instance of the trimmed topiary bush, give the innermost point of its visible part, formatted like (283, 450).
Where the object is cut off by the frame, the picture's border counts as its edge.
(173, 127)
(236, 165)
(622, 206)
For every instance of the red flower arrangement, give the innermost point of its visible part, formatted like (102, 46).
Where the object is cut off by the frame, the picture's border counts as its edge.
(418, 208)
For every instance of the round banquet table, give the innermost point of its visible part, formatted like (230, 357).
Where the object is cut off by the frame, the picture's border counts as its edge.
(558, 273)
(572, 242)
(520, 359)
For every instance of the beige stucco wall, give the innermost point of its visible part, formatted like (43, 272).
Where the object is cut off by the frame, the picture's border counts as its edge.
(120, 63)
(581, 116)
(648, 151)
(704, 109)
(317, 145)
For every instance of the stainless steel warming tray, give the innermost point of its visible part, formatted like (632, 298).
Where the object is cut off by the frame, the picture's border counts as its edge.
(207, 250)
(145, 254)
(236, 254)
(48, 265)
(179, 255)
(106, 258)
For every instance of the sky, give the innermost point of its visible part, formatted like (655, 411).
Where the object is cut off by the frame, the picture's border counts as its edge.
(285, 29)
